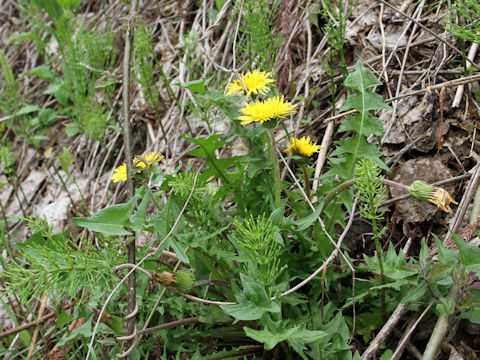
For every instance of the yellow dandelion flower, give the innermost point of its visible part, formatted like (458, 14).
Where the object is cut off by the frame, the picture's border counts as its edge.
(303, 146)
(120, 173)
(442, 199)
(255, 82)
(266, 110)
(151, 159)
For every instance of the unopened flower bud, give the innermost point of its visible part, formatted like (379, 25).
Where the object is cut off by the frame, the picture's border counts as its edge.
(183, 280)
(421, 191)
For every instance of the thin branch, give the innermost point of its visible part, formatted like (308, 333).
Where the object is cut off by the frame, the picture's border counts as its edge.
(441, 327)
(385, 332)
(169, 325)
(33, 323)
(131, 285)
(401, 345)
(458, 51)
(200, 300)
(456, 222)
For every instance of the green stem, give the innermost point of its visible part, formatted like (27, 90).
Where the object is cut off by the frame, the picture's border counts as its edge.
(379, 251)
(348, 183)
(214, 164)
(85, 205)
(272, 151)
(307, 182)
(8, 238)
(154, 199)
(336, 191)
(64, 186)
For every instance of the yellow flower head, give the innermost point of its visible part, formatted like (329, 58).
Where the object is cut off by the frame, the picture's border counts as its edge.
(266, 110)
(442, 199)
(303, 146)
(120, 173)
(255, 82)
(151, 159)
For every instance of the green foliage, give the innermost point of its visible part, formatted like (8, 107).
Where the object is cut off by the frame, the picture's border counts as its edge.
(57, 265)
(371, 190)
(111, 220)
(232, 237)
(335, 14)
(10, 95)
(85, 59)
(143, 63)
(261, 242)
(203, 198)
(349, 150)
(86, 54)
(207, 148)
(463, 21)
(257, 25)
(295, 336)
(252, 301)
(364, 124)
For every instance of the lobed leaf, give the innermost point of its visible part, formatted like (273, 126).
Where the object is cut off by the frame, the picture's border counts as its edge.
(361, 79)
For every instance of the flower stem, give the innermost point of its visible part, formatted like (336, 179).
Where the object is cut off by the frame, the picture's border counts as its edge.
(348, 183)
(379, 252)
(307, 182)
(272, 151)
(153, 198)
(394, 183)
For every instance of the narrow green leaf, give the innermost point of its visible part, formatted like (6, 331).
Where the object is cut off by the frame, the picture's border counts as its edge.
(28, 109)
(22, 36)
(43, 72)
(196, 85)
(424, 251)
(65, 160)
(295, 333)
(52, 7)
(305, 222)
(207, 146)
(83, 331)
